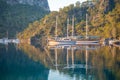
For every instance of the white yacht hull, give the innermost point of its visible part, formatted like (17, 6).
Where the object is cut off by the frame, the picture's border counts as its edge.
(87, 42)
(61, 42)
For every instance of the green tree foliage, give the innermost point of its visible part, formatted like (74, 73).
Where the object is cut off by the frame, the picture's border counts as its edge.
(15, 18)
(103, 21)
(47, 25)
(77, 4)
(106, 19)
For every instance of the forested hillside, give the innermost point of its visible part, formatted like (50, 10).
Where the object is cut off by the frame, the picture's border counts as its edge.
(103, 20)
(15, 16)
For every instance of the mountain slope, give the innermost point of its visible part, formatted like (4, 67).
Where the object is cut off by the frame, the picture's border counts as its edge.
(15, 16)
(103, 18)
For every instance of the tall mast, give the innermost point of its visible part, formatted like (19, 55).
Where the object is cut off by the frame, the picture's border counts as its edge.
(86, 26)
(56, 27)
(67, 26)
(73, 26)
(7, 34)
(86, 59)
(73, 57)
(67, 58)
(56, 64)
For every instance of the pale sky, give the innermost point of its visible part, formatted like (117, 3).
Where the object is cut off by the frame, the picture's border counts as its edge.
(56, 4)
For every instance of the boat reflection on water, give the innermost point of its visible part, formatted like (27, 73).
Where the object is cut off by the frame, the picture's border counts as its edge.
(6, 41)
(81, 47)
(60, 62)
(72, 65)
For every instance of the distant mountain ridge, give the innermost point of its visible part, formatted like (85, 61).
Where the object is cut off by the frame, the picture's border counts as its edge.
(41, 3)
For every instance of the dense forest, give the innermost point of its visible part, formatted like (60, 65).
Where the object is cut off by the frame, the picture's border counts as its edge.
(103, 20)
(14, 18)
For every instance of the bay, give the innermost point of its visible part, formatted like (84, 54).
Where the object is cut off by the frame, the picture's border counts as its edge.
(28, 62)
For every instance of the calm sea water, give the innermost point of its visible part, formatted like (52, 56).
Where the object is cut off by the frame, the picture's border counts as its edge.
(28, 62)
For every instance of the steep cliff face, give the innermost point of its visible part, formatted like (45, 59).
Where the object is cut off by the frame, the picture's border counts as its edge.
(41, 3)
(16, 15)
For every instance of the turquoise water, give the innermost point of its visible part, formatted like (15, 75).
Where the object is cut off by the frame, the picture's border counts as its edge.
(28, 62)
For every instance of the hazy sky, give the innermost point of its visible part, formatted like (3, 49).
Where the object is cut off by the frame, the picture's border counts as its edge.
(56, 4)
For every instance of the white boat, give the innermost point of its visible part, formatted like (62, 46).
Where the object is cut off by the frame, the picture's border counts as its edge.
(16, 41)
(4, 41)
(68, 40)
(87, 40)
(62, 40)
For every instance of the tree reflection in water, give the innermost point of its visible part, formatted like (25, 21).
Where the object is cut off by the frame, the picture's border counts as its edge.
(78, 62)
(16, 65)
(75, 62)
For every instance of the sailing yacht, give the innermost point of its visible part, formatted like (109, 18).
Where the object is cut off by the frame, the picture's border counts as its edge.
(69, 41)
(61, 40)
(5, 40)
(87, 40)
